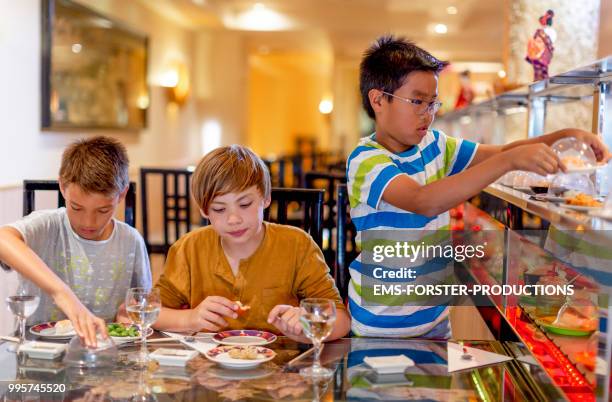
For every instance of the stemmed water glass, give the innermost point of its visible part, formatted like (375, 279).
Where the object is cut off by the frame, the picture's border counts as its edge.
(23, 302)
(143, 307)
(317, 318)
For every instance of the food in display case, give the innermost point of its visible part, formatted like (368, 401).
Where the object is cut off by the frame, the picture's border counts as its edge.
(576, 155)
(570, 185)
(550, 304)
(584, 200)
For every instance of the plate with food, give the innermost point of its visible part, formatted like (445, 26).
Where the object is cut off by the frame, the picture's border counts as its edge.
(240, 357)
(562, 330)
(244, 337)
(125, 332)
(582, 202)
(54, 330)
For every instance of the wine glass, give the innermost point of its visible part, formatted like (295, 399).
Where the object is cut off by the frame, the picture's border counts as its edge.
(317, 318)
(143, 307)
(23, 302)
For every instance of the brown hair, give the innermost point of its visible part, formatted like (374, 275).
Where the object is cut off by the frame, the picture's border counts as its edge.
(97, 165)
(228, 169)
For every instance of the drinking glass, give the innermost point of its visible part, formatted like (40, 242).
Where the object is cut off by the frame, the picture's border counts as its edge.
(317, 318)
(23, 302)
(143, 307)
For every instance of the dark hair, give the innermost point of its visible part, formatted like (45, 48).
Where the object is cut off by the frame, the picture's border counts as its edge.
(386, 64)
(98, 165)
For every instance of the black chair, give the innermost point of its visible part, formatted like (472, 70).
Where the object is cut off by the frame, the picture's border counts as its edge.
(329, 182)
(31, 186)
(176, 206)
(299, 207)
(346, 246)
(276, 167)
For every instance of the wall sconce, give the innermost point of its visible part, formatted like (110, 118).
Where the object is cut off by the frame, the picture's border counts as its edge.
(176, 82)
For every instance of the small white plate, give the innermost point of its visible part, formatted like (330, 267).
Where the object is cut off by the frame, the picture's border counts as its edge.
(121, 339)
(586, 169)
(550, 198)
(42, 350)
(389, 364)
(242, 337)
(602, 213)
(47, 330)
(173, 357)
(220, 355)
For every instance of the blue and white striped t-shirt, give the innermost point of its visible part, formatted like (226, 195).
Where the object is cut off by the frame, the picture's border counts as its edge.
(370, 168)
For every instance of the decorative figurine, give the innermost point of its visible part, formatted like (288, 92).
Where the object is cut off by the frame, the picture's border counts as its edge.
(540, 47)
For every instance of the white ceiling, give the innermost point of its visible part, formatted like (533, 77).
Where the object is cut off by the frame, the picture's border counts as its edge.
(347, 27)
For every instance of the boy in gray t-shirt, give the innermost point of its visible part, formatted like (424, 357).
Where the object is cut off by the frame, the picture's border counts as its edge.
(80, 256)
(98, 272)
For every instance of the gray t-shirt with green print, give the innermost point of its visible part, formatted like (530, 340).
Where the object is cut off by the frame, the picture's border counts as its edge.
(98, 272)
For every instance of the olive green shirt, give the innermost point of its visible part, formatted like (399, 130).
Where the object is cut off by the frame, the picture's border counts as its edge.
(286, 267)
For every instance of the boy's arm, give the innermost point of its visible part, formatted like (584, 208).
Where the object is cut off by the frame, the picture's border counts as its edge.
(602, 153)
(208, 315)
(442, 195)
(16, 254)
(312, 280)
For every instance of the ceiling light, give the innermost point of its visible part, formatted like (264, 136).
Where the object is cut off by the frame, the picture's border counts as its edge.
(440, 29)
(501, 74)
(452, 10)
(76, 48)
(258, 18)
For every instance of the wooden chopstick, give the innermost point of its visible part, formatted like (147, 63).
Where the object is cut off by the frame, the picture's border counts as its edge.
(300, 357)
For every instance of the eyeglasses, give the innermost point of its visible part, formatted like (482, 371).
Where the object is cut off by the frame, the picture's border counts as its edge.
(420, 107)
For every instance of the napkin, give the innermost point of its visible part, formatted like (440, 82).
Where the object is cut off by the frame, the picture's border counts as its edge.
(479, 358)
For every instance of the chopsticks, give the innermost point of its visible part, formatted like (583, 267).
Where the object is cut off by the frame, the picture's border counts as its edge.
(301, 356)
(9, 338)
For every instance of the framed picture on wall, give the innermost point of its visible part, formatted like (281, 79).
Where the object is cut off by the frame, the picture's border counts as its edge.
(94, 70)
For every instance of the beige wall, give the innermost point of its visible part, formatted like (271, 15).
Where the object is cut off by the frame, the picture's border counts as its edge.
(284, 91)
(172, 136)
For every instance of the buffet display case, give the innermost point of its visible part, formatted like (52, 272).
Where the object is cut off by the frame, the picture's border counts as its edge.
(538, 237)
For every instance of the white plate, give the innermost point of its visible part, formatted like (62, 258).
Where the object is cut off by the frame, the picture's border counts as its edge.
(220, 355)
(121, 339)
(580, 208)
(243, 337)
(602, 213)
(586, 169)
(389, 364)
(47, 330)
(42, 350)
(173, 357)
(550, 198)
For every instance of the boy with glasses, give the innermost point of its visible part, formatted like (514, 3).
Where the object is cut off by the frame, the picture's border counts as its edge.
(406, 176)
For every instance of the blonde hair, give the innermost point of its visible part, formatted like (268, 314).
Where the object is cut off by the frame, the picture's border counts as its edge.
(97, 165)
(226, 170)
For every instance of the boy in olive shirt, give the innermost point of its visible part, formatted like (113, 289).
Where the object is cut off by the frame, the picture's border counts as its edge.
(241, 258)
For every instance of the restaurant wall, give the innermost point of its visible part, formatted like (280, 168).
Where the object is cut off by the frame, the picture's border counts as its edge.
(173, 136)
(284, 91)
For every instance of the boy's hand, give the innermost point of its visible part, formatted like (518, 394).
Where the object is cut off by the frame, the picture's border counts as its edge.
(287, 320)
(86, 325)
(122, 316)
(538, 158)
(209, 313)
(602, 153)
